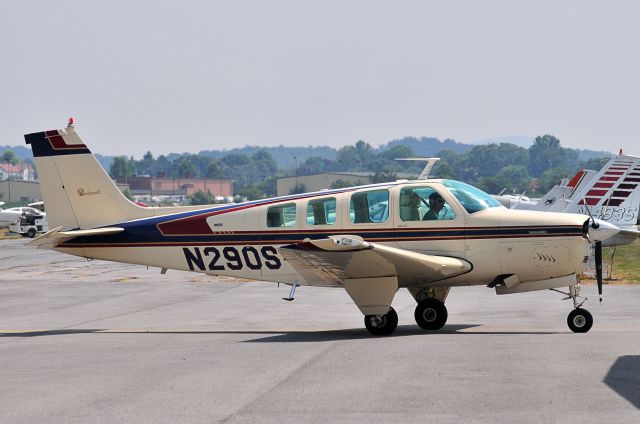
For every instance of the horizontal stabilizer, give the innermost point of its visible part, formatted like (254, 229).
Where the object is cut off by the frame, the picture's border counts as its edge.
(54, 237)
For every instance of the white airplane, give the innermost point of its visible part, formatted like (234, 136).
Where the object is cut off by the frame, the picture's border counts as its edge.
(611, 195)
(426, 236)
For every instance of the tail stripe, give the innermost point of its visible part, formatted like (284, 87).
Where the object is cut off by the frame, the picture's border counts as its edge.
(51, 143)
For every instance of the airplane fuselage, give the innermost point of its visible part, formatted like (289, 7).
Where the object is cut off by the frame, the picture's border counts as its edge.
(240, 241)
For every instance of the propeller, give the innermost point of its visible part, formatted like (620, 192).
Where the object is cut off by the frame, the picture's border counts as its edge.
(598, 258)
(598, 253)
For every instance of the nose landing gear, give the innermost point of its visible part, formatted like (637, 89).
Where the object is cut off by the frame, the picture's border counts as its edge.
(579, 320)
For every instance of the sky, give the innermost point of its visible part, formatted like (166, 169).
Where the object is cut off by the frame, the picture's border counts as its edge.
(185, 76)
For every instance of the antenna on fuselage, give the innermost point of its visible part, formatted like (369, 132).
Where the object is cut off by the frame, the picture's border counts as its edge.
(427, 169)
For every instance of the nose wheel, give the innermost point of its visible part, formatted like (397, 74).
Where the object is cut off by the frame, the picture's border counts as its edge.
(580, 320)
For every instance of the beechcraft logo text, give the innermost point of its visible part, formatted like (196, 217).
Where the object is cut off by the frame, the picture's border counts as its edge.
(82, 192)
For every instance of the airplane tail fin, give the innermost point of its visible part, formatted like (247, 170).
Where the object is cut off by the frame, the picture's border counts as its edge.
(560, 196)
(77, 191)
(612, 194)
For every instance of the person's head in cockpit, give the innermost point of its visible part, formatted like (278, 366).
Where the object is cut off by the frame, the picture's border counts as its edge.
(436, 204)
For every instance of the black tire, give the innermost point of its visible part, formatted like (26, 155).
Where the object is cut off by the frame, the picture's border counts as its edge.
(580, 320)
(31, 232)
(431, 314)
(381, 325)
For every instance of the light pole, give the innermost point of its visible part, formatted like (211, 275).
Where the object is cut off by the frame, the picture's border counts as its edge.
(295, 158)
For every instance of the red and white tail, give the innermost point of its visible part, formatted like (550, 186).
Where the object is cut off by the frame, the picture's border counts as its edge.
(612, 194)
(77, 191)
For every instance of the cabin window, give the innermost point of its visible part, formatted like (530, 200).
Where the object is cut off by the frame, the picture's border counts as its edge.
(369, 206)
(321, 212)
(281, 215)
(423, 204)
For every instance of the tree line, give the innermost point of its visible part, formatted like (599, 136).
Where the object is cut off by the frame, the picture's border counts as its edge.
(491, 167)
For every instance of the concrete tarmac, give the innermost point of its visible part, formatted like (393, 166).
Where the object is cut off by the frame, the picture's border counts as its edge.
(98, 342)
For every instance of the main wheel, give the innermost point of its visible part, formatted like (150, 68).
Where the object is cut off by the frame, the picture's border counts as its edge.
(382, 325)
(431, 314)
(31, 233)
(579, 320)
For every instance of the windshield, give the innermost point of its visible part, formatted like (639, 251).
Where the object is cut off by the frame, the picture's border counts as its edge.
(471, 198)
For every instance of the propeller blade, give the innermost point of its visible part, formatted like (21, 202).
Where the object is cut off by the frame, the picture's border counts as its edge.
(598, 258)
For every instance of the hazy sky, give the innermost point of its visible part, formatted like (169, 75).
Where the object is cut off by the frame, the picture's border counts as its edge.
(193, 75)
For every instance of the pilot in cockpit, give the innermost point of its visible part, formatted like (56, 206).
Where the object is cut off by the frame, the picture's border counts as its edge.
(436, 205)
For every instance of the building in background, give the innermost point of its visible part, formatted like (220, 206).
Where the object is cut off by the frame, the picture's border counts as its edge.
(156, 186)
(19, 191)
(20, 171)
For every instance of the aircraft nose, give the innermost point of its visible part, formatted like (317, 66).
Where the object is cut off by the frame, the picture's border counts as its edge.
(604, 230)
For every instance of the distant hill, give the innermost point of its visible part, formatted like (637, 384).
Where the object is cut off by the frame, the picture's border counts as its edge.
(526, 142)
(286, 157)
(428, 146)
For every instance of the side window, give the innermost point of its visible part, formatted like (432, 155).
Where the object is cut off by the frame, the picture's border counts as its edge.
(369, 206)
(423, 204)
(281, 215)
(321, 212)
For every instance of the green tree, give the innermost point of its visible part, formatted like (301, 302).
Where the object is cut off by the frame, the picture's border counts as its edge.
(121, 168)
(214, 169)
(545, 153)
(9, 157)
(251, 193)
(186, 168)
(127, 194)
(553, 176)
(201, 198)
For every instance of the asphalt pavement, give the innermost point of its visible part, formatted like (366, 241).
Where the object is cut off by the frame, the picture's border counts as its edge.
(101, 342)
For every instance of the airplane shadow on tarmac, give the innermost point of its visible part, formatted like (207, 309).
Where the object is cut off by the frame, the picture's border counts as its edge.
(275, 336)
(624, 378)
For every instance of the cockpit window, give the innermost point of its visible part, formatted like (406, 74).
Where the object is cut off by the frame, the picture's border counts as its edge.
(422, 204)
(471, 198)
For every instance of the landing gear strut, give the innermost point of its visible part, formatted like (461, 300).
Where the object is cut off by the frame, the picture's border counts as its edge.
(579, 320)
(382, 325)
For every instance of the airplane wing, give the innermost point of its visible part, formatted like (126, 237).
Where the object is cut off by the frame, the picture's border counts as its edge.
(367, 270)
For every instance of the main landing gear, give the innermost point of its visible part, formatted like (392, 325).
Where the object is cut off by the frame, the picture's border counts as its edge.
(382, 325)
(579, 320)
(431, 314)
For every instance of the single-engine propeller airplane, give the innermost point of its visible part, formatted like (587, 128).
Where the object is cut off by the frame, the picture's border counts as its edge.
(426, 236)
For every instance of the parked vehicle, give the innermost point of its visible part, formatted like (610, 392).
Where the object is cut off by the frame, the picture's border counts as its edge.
(30, 223)
(11, 215)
